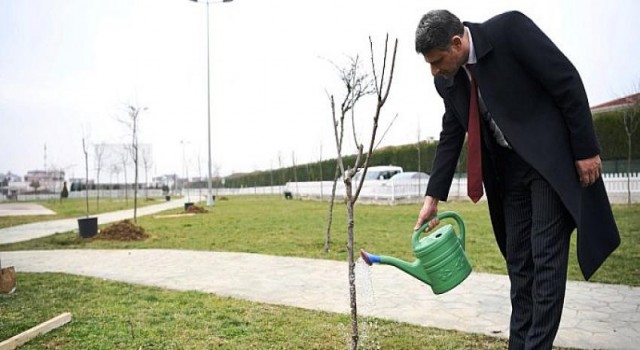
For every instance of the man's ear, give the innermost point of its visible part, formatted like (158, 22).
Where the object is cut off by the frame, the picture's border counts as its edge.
(456, 42)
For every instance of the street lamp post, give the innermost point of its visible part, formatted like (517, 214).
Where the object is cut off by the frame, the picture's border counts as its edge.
(210, 201)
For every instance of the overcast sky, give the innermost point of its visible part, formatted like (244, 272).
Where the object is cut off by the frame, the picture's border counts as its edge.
(69, 67)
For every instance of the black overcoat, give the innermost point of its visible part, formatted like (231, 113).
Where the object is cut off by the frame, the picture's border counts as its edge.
(536, 97)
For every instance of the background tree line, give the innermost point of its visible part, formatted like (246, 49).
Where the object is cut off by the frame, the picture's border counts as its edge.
(609, 127)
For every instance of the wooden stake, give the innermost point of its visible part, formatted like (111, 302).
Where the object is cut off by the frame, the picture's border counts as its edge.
(13, 342)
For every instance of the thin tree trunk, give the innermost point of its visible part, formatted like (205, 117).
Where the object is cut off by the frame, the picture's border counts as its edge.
(629, 169)
(352, 274)
(98, 192)
(86, 185)
(126, 192)
(327, 237)
(630, 121)
(146, 184)
(135, 193)
(86, 175)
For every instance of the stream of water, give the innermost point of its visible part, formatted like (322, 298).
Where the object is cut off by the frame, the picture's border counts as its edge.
(366, 298)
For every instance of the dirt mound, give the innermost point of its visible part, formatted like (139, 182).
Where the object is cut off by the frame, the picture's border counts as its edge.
(196, 209)
(123, 231)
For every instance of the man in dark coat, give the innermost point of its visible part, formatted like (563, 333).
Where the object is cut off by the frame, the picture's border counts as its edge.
(540, 161)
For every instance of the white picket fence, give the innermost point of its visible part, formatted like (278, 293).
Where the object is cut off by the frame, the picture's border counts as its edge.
(620, 186)
(372, 190)
(266, 190)
(380, 191)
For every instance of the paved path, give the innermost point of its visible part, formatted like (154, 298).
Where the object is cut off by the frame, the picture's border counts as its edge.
(47, 228)
(595, 316)
(22, 209)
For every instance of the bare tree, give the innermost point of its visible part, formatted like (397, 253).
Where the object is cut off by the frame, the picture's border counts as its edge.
(321, 175)
(282, 181)
(35, 184)
(310, 176)
(124, 158)
(361, 161)
(295, 172)
(99, 163)
(58, 182)
(86, 168)
(132, 124)
(271, 175)
(147, 163)
(631, 120)
(357, 84)
(115, 169)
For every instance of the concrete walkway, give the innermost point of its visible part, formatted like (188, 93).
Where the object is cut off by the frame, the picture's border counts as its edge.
(23, 209)
(47, 228)
(596, 316)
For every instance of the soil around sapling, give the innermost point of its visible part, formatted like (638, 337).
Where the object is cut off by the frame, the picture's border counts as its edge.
(196, 210)
(123, 231)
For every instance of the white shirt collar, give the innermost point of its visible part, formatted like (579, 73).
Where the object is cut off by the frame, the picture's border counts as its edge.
(472, 52)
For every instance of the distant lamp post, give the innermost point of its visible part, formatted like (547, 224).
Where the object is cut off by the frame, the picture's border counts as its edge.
(210, 201)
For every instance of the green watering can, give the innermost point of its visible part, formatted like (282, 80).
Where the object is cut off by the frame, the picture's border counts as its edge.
(440, 258)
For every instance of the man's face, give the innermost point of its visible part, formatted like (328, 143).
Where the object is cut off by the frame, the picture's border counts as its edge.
(446, 62)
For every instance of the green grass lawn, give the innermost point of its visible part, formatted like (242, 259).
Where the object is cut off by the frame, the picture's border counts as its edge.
(113, 315)
(271, 225)
(75, 207)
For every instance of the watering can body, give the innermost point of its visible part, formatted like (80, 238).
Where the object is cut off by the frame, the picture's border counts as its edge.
(440, 262)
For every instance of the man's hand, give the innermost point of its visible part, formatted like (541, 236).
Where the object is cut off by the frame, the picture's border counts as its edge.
(429, 210)
(589, 170)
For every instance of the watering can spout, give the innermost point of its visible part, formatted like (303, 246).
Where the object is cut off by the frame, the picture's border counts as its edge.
(369, 258)
(414, 269)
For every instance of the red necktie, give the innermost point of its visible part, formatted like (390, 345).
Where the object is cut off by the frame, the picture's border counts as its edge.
(474, 156)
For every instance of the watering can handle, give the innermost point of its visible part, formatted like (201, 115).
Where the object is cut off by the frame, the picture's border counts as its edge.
(446, 214)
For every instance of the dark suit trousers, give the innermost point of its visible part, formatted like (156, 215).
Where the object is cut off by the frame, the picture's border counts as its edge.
(538, 234)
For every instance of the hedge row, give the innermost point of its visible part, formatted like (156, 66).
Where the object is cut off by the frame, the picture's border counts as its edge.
(613, 138)
(405, 156)
(418, 157)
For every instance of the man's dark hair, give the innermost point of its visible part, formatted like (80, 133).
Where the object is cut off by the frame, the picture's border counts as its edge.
(436, 29)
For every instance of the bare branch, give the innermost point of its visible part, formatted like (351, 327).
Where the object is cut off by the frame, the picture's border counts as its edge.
(384, 63)
(338, 134)
(381, 102)
(373, 67)
(353, 126)
(393, 66)
(386, 130)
